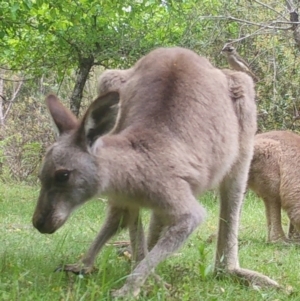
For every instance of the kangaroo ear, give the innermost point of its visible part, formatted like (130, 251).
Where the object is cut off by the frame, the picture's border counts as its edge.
(63, 118)
(100, 117)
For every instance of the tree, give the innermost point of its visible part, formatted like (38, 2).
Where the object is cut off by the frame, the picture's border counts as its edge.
(45, 42)
(42, 36)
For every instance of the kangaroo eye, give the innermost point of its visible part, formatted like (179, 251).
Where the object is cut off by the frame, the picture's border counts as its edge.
(62, 175)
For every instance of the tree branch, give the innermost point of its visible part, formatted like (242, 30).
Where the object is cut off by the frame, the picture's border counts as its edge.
(290, 6)
(272, 9)
(267, 26)
(15, 94)
(18, 80)
(257, 32)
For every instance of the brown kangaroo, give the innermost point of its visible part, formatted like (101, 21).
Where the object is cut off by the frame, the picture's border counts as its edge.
(274, 176)
(183, 127)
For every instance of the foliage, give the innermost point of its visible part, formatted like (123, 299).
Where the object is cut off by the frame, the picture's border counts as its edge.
(49, 41)
(24, 142)
(53, 36)
(265, 39)
(43, 36)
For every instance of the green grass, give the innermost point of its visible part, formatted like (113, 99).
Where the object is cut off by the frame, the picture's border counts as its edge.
(28, 259)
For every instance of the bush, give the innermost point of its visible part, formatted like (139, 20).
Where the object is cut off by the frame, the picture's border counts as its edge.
(25, 137)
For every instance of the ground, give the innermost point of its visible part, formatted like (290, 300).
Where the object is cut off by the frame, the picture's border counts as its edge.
(28, 259)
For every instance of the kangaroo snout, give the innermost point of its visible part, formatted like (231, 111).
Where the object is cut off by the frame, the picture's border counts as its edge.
(42, 224)
(52, 211)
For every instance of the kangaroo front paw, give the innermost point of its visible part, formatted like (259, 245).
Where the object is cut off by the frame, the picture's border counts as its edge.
(77, 268)
(125, 291)
(253, 278)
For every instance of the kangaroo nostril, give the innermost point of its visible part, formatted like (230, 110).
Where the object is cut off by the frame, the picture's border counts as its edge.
(38, 222)
(42, 225)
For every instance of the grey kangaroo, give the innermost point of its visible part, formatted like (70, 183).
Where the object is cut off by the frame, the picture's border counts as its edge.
(274, 176)
(183, 127)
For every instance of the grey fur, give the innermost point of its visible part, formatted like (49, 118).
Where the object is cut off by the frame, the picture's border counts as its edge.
(183, 127)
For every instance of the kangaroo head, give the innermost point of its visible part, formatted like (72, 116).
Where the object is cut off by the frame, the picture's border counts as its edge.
(69, 173)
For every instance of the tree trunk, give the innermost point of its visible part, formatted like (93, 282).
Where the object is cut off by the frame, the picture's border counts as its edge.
(1, 103)
(294, 17)
(85, 65)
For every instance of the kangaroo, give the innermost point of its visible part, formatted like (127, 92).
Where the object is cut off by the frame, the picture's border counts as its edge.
(274, 176)
(182, 127)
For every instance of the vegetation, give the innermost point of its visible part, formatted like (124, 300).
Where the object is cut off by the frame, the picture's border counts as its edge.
(28, 258)
(62, 47)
